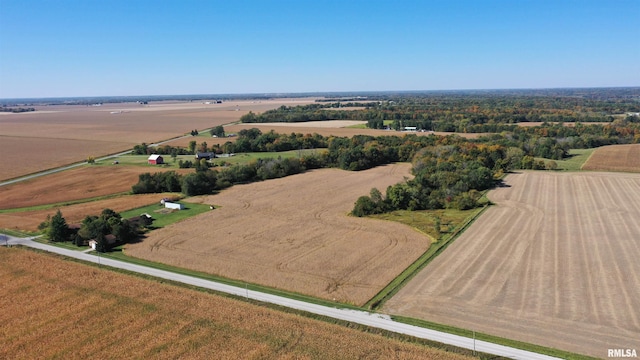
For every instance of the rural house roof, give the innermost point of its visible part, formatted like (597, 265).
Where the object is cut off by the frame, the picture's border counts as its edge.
(154, 157)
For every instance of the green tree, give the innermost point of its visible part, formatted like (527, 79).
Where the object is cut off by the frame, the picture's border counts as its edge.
(174, 154)
(58, 229)
(101, 243)
(218, 131)
(192, 146)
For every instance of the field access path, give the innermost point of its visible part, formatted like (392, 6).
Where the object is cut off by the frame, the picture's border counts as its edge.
(360, 317)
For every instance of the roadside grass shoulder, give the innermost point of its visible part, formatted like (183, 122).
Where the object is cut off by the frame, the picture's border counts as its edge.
(120, 254)
(493, 339)
(16, 233)
(64, 244)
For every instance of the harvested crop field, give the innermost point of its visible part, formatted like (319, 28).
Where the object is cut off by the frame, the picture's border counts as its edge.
(555, 263)
(53, 308)
(76, 184)
(25, 155)
(29, 220)
(69, 134)
(294, 234)
(615, 158)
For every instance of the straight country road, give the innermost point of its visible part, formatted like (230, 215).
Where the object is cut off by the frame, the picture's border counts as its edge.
(375, 320)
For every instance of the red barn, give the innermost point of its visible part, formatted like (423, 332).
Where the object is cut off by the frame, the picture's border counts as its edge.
(156, 160)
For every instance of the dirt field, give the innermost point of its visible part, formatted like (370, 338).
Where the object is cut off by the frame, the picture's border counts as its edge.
(294, 233)
(75, 184)
(555, 263)
(615, 158)
(25, 155)
(29, 220)
(52, 308)
(58, 135)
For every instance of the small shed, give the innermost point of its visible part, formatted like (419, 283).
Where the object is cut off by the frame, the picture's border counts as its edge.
(155, 159)
(175, 206)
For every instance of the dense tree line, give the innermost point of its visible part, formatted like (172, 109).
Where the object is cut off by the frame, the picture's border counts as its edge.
(302, 113)
(16, 109)
(144, 149)
(446, 175)
(467, 111)
(253, 140)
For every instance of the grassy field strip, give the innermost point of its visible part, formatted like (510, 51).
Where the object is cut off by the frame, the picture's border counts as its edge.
(60, 204)
(493, 339)
(578, 157)
(433, 251)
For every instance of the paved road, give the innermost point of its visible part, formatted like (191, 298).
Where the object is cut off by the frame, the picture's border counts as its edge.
(360, 317)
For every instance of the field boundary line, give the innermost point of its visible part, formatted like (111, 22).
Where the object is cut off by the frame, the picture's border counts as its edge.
(412, 270)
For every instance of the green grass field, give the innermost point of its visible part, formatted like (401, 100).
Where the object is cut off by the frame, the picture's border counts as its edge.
(425, 220)
(577, 158)
(163, 217)
(243, 158)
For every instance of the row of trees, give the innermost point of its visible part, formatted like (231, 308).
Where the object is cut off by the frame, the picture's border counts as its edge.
(466, 111)
(207, 181)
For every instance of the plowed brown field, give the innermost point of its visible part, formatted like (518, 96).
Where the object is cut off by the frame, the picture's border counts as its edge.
(52, 308)
(555, 263)
(294, 233)
(75, 184)
(36, 141)
(615, 158)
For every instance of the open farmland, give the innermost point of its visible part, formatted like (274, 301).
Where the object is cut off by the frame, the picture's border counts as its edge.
(69, 134)
(30, 219)
(325, 128)
(54, 308)
(615, 158)
(294, 233)
(555, 263)
(76, 184)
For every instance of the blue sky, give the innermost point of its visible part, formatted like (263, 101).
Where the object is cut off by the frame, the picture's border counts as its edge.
(135, 47)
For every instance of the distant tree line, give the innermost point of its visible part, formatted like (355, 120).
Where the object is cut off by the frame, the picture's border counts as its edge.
(469, 111)
(16, 109)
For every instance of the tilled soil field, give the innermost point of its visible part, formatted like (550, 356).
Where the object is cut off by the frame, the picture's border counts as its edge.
(57, 309)
(75, 184)
(554, 263)
(294, 233)
(615, 158)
